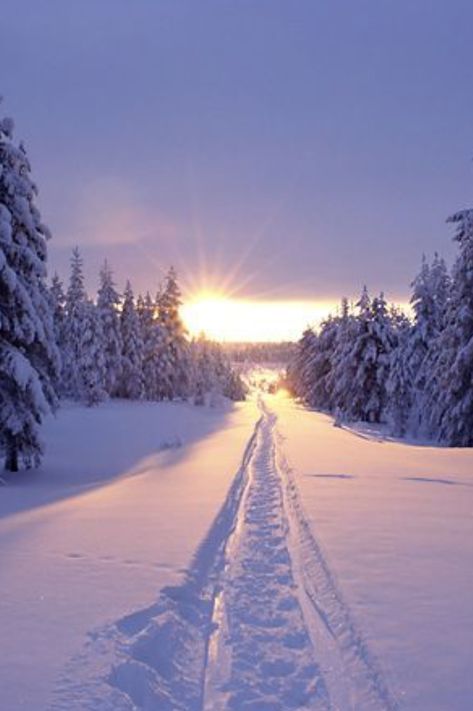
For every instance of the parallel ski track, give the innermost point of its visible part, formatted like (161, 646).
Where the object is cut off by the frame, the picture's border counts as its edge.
(259, 623)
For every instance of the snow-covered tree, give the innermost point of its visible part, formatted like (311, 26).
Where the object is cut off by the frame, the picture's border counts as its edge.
(344, 368)
(339, 378)
(296, 375)
(108, 301)
(57, 300)
(212, 374)
(28, 355)
(92, 363)
(317, 372)
(400, 388)
(75, 302)
(84, 369)
(174, 366)
(131, 383)
(450, 388)
(152, 343)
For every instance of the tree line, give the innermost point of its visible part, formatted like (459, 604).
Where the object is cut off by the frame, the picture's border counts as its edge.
(116, 346)
(370, 362)
(59, 343)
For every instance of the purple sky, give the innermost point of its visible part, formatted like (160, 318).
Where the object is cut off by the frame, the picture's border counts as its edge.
(287, 149)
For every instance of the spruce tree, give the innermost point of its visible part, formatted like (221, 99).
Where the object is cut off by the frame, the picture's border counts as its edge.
(131, 380)
(108, 301)
(28, 355)
(451, 385)
(84, 368)
(174, 365)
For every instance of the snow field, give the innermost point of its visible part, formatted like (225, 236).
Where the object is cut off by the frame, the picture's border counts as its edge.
(126, 492)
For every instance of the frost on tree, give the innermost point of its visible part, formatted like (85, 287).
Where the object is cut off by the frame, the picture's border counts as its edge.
(416, 352)
(28, 355)
(344, 368)
(153, 345)
(57, 300)
(451, 386)
(212, 375)
(84, 365)
(131, 383)
(174, 366)
(108, 301)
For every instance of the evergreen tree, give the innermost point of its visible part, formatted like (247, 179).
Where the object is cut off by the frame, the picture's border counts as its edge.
(174, 357)
(339, 379)
(28, 355)
(75, 303)
(429, 299)
(108, 301)
(84, 365)
(450, 389)
(132, 382)
(318, 370)
(400, 383)
(92, 363)
(299, 375)
(57, 300)
(152, 344)
(212, 373)
(362, 392)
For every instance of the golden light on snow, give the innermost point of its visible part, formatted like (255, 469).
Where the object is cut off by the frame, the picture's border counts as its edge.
(238, 320)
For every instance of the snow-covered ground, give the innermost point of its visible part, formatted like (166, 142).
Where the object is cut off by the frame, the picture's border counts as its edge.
(249, 558)
(126, 492)
(394, 524)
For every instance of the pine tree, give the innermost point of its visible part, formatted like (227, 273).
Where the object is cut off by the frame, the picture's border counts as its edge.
(299, 375)
(174, 361)
(152, 340)
(212, 373)
(108, 301)
(132, 382)
(75, 304)
(339, 378)
(92, 363)
(84, 367)
(429, 299)
(28, 355)
(57, 300)
(367, 362)
(450, 388)
(400, 387)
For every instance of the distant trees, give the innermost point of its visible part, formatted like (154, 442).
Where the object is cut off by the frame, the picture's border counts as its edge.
(119, 347)
(29, 359)
(108, 301)
(370, 363)
(346, 366)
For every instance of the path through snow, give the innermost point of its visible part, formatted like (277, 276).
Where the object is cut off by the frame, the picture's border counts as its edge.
(258, 624)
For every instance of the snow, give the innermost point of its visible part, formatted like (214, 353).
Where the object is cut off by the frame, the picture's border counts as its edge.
(394, 522)
(246, 557)
(114, 514)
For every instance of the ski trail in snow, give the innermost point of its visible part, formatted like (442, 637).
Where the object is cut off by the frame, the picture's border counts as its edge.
(283, 637)
(260, 656)
(257, 625)
(353, 676)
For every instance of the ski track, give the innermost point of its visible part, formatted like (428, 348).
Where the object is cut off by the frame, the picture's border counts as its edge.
(257, 625)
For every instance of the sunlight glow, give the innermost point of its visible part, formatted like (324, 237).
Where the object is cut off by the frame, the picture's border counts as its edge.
(238, 320)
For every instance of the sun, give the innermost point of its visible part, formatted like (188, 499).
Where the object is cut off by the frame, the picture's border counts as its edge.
(228, 319)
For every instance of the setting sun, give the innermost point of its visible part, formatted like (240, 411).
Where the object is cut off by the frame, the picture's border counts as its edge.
(240, 320)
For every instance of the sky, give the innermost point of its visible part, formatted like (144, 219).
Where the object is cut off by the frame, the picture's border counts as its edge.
(269, 149)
